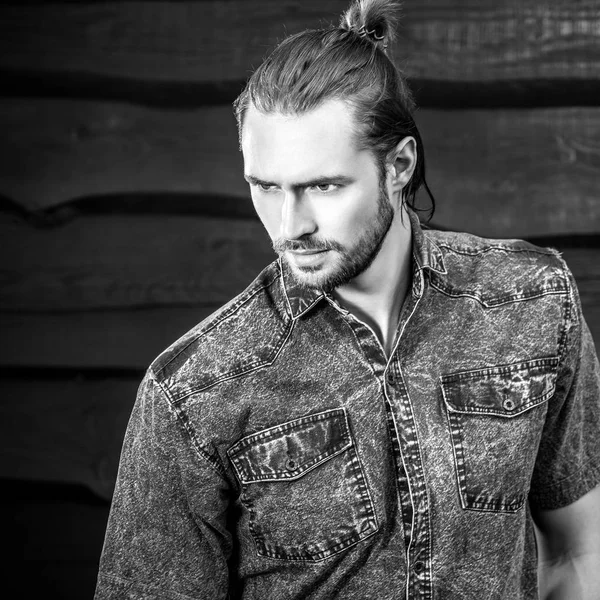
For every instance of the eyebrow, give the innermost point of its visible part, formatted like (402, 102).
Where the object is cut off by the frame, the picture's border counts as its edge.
(323, 180)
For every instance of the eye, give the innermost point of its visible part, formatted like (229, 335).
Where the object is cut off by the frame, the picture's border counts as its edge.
(326, 187)
(265, 187)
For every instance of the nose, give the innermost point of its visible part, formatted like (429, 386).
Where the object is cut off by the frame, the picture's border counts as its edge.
(296, 217)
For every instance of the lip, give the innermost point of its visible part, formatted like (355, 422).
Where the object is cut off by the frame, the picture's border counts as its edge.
(307, 252)
(306, 257)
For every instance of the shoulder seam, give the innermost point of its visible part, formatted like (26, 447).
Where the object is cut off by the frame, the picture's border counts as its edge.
(212, 460)
(501, 247)
(241, 373)
(228, 312)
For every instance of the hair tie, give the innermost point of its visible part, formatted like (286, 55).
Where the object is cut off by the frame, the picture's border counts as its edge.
(363, 32)
(372, 35)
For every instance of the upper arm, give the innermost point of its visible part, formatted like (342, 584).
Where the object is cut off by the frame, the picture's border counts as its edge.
(572, 530)
(166, 535)
(568, 540)
(567, 465)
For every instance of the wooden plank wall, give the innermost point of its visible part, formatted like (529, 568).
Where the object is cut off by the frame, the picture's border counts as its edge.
(124, 217)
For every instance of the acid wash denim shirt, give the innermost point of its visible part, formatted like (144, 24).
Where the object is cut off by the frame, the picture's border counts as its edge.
(275, 452)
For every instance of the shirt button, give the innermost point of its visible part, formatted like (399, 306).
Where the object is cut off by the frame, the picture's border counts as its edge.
(508, 404)
(290, 464)
(419, 566)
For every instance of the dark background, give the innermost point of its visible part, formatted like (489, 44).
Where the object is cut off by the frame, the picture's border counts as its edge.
(124, 217)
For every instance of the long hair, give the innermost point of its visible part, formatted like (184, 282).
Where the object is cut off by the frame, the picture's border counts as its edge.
(348, 63)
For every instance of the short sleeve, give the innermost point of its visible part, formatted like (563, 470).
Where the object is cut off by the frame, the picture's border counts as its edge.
(568, 460)
(166, 536)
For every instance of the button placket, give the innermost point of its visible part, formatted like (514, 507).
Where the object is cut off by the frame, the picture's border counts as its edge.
(419, 567)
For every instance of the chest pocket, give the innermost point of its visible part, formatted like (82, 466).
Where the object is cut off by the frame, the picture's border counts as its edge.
(303, 487)
(496, 418)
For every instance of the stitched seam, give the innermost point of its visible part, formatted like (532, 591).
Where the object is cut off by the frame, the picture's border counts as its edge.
(562, 344)
(222, 317)
(438, 269)
(578, 475)
(309, 307)
(213, 461)
(505, 368)
(249, 368)
(503, 302)
(501, 248)
(275, 432)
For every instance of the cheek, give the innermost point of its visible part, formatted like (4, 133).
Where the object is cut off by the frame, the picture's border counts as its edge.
(348, 224)
(269, 214)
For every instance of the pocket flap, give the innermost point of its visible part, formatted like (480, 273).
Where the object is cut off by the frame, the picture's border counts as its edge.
(289, 450)
(504, 391)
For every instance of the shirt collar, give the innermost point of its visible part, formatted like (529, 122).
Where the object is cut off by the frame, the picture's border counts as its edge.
(299, 299)
(426, 255)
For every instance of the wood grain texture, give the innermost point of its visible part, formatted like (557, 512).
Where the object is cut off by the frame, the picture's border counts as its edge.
(116, 339)
(126, 261)
(67, 431)
(220, 41)
(537, 172)
(514, 173)
(512, 39)
(57, 150)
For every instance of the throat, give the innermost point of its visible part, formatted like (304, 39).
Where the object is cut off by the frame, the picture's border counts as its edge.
(377, 295)
(384, 325)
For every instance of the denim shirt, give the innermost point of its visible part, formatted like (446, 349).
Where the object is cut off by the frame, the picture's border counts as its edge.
(275, 452)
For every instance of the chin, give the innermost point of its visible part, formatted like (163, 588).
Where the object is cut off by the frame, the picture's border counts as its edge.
(309, 279)
(321, 278)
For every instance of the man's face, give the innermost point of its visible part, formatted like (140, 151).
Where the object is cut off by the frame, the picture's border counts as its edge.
(319, 198)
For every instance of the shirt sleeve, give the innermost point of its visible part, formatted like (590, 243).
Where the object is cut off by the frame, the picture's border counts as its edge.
(568, 461)
(166, 536)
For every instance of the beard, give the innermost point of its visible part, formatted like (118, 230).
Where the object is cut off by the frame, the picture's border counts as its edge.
(351, 261)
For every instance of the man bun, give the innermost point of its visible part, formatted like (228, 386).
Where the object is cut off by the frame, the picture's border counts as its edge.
(348, 63)
(375, 20)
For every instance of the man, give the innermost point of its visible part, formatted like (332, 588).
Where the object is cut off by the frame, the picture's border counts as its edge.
(385, 412)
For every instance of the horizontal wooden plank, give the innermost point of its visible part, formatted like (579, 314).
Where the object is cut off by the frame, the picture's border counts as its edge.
(130, 339)
(116, 339)
(521, 173)
(60, 150)
(511, 40)
(536, 172)
(215, 40)
(125, 261)
(67, 431)
(428, 93)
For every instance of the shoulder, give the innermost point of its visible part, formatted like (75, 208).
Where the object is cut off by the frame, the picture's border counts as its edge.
(496, 271)
(241, 336)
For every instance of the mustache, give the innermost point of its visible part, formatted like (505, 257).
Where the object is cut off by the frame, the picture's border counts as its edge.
(282, 245)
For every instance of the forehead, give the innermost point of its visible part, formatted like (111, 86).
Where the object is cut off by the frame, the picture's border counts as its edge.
(294, 146)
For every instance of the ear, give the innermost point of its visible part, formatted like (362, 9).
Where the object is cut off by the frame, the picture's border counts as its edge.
(401, 166)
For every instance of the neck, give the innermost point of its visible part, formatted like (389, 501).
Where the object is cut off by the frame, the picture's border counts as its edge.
(376, 296)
